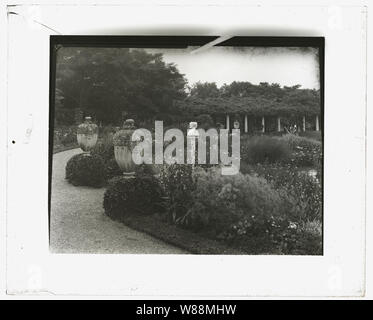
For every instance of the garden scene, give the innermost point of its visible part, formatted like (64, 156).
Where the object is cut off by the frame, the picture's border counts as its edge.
(102, 202)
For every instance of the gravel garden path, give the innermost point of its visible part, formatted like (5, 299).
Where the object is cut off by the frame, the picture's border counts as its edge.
(78, 223)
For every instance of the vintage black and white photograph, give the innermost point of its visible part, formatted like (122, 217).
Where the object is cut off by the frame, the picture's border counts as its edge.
(187, 147)
(185, 151)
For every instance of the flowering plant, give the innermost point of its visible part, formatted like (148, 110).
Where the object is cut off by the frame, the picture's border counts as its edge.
(123, 137)
(64, 135)
(87, 127)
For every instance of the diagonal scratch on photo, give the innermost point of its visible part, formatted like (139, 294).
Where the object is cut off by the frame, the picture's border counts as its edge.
(185, 150)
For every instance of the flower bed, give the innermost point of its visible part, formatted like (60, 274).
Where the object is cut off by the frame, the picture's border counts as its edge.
(306, 152)
(247, 213)
(64, 138)
(272, 207)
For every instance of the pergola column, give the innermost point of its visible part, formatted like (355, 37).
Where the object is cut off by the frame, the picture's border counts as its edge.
(278, 124)
(317, 123)
(263, 125)
(227, 121)
(304, 123)
(246, 124)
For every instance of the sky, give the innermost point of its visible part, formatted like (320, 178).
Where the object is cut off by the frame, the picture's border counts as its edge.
(285, 66)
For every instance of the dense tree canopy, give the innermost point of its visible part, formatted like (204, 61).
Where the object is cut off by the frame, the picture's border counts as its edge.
(204, 90)
(105, 82)
(247, 98)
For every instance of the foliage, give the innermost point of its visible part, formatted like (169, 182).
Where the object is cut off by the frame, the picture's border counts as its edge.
(204, 90)
(144, 170)
(255, 100)
(219, 200)
(85, 170)
(123, 138)
(104, 149)
(276, 236)
(112, 169)
(107, 132)
(178, 183)
(138, 195)
(65, 135)
(315, 135)
(87, 128)
(125, 81)
(303, 188)
(248, 211)
(63, 116)
(306, 151)
(264, 149)
(204, 121)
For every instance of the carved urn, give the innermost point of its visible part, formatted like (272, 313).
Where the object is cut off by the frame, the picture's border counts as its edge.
(123, 146)
(87, 134)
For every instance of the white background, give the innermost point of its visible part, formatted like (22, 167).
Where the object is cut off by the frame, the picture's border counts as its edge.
(30, 267)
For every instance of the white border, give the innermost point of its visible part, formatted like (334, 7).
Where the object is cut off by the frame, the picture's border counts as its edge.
(340, 272)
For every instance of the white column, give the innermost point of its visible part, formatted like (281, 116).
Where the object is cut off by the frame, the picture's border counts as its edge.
(263, 125)
(317, 124)
(278, 124)
(304, 123)
(246, 124)
(227, 122)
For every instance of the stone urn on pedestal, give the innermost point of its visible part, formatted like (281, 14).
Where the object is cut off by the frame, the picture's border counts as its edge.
(87, 135)
(123, 146)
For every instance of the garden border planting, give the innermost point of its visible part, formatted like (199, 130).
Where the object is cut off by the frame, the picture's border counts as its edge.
(172, 234)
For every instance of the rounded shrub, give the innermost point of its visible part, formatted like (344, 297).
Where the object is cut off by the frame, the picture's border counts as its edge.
(85, 170)
(222, 200)
(138, 195)
(144, 170)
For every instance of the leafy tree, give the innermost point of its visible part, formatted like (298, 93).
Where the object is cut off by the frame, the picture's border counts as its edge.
(204, 121)
(107, 82)
(258, 100)
(204, 90)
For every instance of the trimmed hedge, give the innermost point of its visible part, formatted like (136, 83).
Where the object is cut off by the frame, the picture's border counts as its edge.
(125, 196)
(219, 201)
(85, 170)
